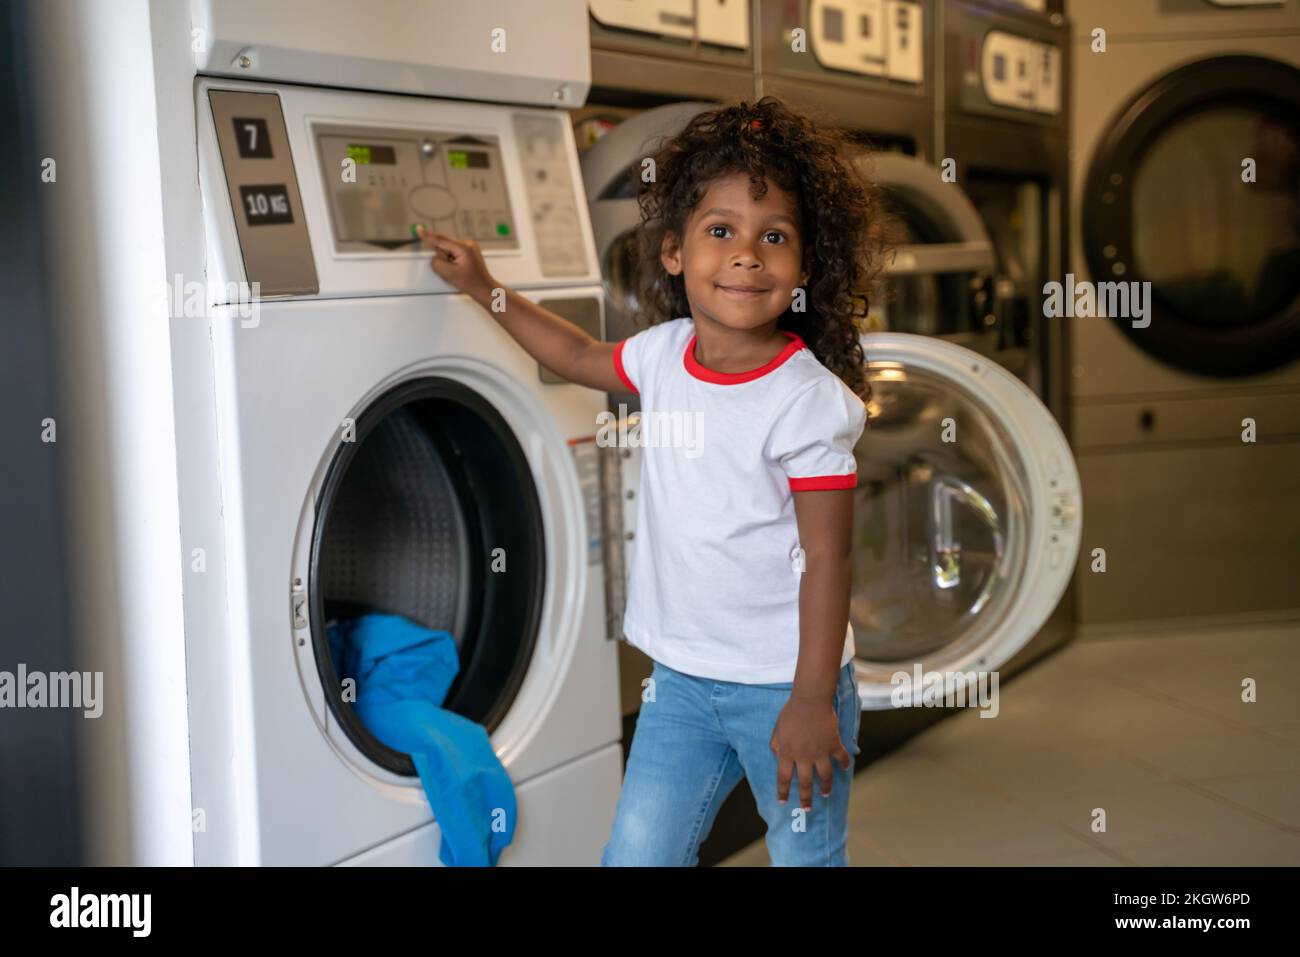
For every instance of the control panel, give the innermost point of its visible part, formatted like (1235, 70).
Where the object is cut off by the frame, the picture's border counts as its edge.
(1013, 66)
(551, 201)
(1021, 73)
(382, 183)
(324, 190)
(710, 21)
(870, 37)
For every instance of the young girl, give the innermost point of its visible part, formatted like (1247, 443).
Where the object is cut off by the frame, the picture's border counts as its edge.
(754, 243)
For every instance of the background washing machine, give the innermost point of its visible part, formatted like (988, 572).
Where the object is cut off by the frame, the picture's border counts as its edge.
(1004, 128)
(962, 550)
(971, 255)
(349, 435)
(964, 547)
(1197, 524)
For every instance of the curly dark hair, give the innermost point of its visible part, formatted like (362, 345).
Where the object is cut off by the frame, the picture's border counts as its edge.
(839, 211)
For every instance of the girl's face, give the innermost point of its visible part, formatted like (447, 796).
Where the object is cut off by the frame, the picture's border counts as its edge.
(741, 258)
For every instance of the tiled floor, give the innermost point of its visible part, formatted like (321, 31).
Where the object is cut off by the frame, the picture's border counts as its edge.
(1151, 728)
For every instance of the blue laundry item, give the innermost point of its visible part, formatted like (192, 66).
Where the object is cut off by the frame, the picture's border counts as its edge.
(403, 671)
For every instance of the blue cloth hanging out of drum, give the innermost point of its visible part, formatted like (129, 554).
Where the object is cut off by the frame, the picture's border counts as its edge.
(402, 672)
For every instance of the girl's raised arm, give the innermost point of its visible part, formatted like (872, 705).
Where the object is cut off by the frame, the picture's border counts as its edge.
(552, 340)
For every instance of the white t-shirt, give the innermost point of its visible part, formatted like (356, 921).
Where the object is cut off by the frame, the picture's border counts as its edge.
(714, 573)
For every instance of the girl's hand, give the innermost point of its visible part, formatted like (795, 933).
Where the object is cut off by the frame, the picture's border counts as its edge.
(460, 263)
(807, 737)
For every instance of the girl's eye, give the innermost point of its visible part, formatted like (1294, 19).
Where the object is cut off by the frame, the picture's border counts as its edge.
(780, 237)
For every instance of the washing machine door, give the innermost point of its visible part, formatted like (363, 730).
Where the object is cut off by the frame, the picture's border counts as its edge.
(1195, 188)
(414, 516)
(611, 169)
(939, 274)
(966, 517)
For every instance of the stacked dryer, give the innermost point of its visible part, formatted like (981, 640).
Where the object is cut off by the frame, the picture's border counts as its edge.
(1186, 160)
(1003, 139)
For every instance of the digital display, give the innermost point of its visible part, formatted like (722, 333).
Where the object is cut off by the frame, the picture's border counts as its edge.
(368, 155)
(467, 159)
(266, 205)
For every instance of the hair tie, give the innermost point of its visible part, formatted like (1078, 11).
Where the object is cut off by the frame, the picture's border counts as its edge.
(752, 126)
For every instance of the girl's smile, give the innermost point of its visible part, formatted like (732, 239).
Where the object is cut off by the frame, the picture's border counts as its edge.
(745, 292)
(740, 258)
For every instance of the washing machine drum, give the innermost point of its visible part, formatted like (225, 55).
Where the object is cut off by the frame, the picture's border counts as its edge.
(415, 518)
(396, 537)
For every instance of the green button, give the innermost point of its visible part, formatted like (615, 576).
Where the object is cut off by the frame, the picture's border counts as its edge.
(503, 229)
(415, 230)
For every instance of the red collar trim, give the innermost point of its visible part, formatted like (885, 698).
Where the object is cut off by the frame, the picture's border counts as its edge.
(706, 374)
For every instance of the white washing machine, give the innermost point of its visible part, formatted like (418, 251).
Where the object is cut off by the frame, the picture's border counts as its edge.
(311, 425)
(1197, 522)
(385, 446)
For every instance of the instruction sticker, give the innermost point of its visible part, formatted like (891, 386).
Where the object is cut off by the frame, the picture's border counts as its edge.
(586, 456)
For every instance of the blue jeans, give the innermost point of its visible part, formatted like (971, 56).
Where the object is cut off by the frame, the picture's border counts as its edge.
(692, 745)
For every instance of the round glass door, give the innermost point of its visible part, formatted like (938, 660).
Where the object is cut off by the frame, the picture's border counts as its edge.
(1196, 190)
(939, 525)
(408, 523)
(966, 515)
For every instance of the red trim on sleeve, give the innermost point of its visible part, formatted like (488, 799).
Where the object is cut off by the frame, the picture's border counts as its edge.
(817, 483)
(618, 366)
